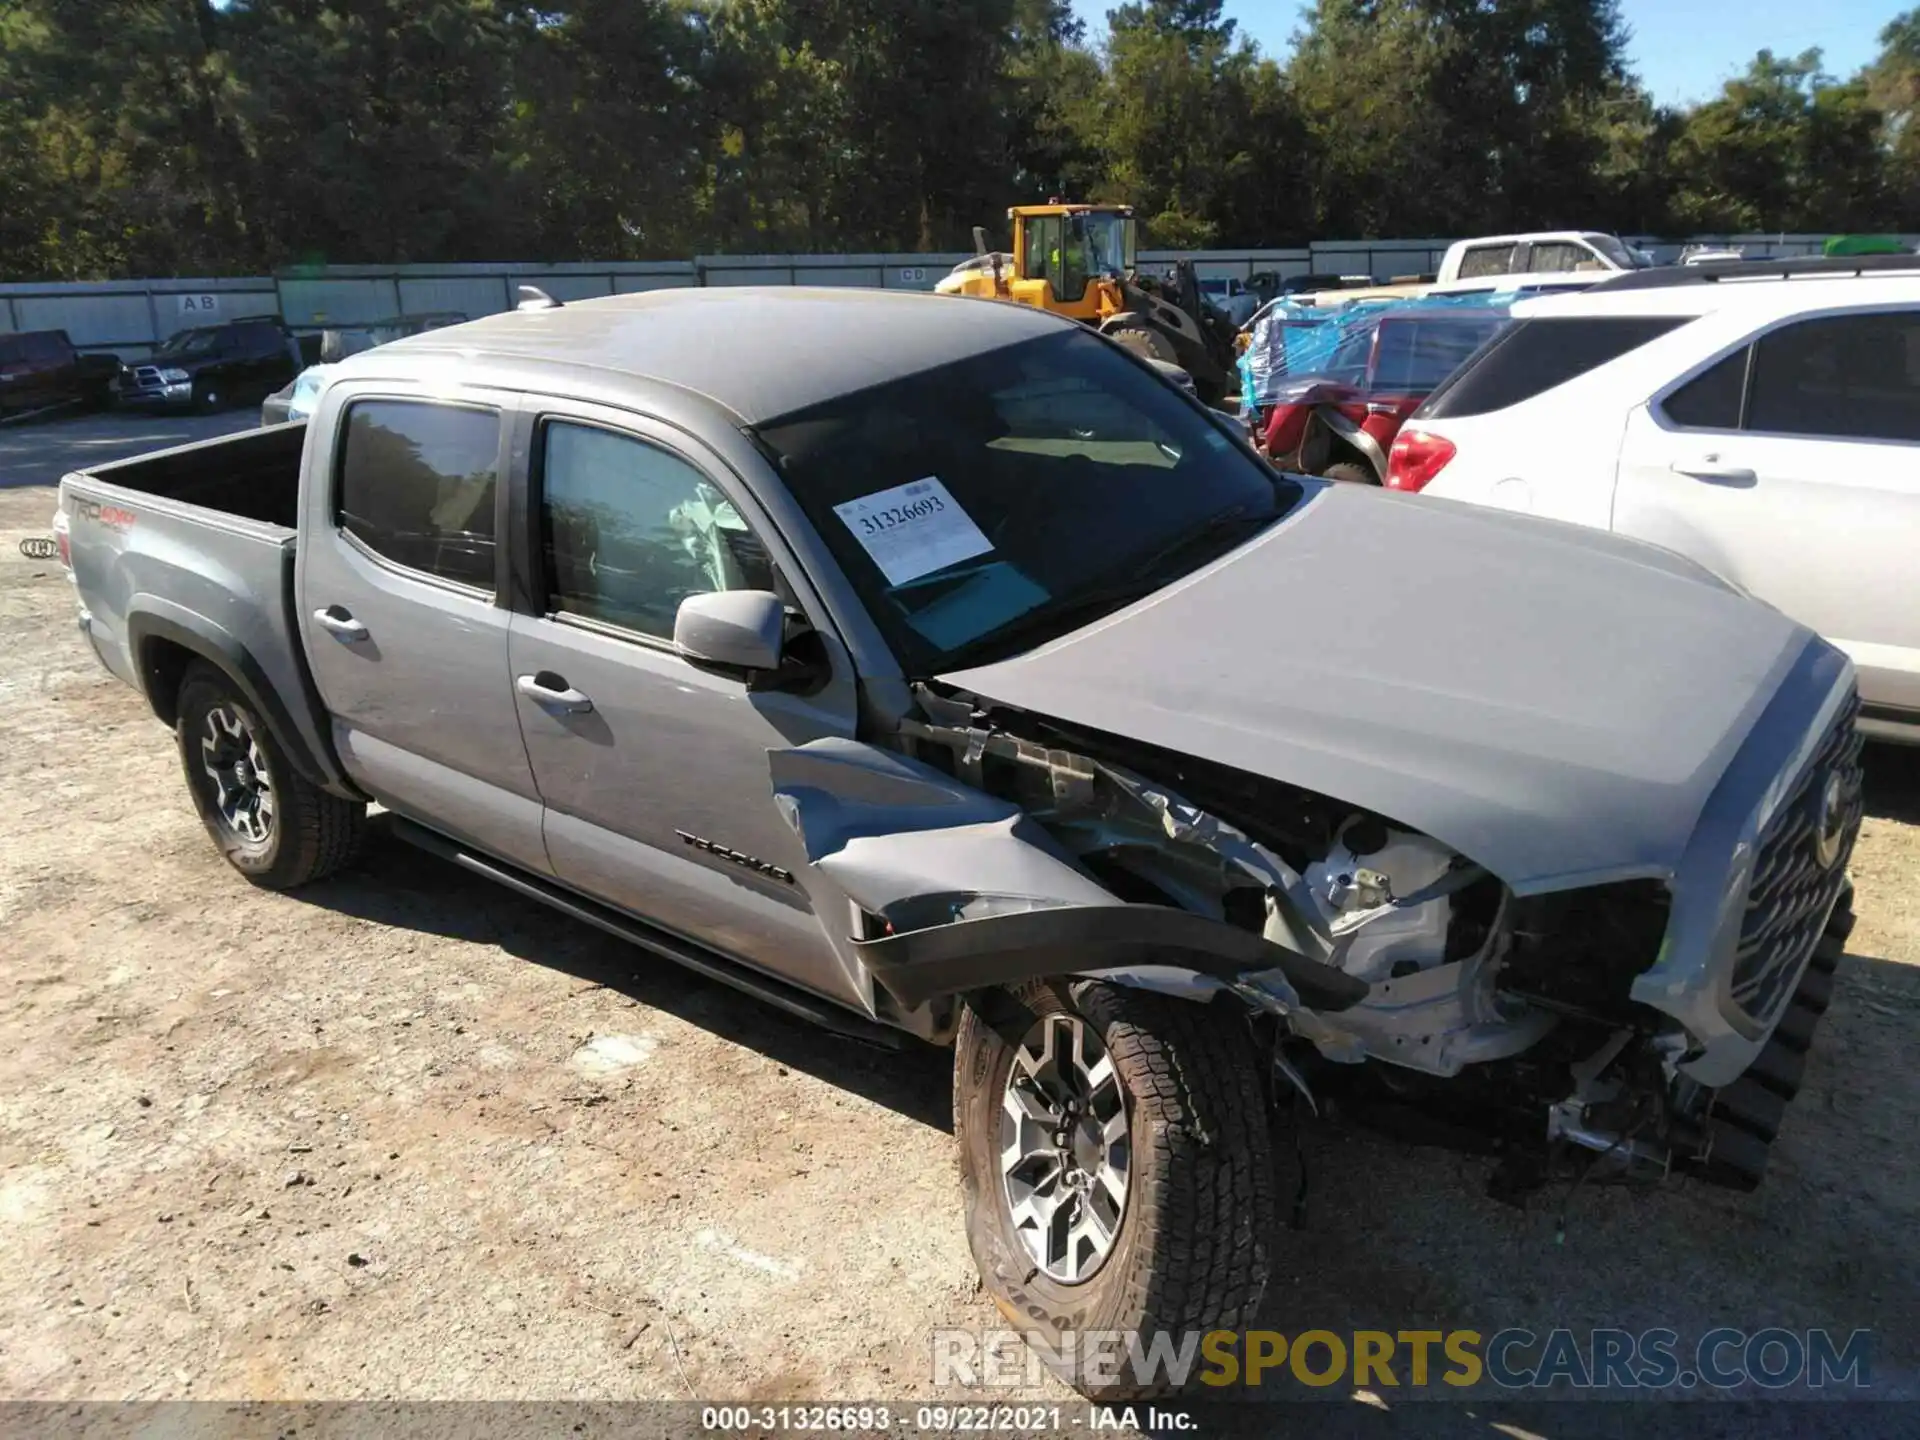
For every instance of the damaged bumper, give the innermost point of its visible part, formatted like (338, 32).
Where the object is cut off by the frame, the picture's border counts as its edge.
(1004, 949)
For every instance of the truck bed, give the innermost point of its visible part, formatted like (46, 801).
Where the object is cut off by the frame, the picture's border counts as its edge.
(254, 474)
(190, 552)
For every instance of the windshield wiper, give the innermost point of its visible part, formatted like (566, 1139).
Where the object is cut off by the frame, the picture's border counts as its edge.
(1048, 622)
(1234, 517)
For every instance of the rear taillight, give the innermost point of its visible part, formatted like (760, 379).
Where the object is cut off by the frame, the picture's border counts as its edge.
(63, 539)
(1417, 456)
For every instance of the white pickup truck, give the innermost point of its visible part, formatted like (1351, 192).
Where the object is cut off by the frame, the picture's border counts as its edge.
(1544, 252)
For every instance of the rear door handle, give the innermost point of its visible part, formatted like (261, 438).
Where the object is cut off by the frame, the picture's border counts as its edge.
(1711, 467)
(551, 692)
(338, 622)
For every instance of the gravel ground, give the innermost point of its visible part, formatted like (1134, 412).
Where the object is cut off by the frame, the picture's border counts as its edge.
(404, 1135)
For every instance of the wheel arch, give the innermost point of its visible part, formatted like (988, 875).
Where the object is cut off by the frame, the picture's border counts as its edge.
(163, 648)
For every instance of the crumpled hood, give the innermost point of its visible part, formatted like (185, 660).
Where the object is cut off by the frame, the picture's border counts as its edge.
(1554, 702)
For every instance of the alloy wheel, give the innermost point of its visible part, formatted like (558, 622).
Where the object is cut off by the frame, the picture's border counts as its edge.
(230, 755)
(1065, 1149)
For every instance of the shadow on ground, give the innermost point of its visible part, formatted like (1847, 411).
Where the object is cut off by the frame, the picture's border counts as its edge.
(402, 886)
(1893, 782)
(1400, 1238)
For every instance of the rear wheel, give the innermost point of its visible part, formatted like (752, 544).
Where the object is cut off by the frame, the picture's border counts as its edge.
(1351, 472)
(1117, 1169)
(274, 825)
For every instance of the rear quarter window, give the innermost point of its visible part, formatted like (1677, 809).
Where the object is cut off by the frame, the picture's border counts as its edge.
(416, 486)
(1534, 356)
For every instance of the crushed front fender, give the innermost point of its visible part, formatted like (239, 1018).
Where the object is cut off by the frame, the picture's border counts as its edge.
(969, 892)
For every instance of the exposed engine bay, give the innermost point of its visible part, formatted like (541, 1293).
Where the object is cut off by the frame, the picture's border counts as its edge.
(1389, 968)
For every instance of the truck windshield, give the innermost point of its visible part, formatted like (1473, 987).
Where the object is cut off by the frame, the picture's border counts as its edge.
(189, 342)
(986, 506)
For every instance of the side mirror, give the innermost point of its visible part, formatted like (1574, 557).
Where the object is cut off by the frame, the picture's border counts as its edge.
(731, 629)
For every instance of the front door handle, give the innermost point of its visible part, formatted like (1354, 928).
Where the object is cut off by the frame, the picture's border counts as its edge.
(551, 692)
(1712, 467)
(338, 622)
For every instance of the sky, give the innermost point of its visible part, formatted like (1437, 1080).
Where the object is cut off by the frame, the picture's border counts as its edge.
(1683, 50)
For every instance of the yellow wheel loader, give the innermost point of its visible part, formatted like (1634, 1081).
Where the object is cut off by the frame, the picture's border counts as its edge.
(1079, 261)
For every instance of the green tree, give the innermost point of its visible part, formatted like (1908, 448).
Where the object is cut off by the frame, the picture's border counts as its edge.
(1893, 88)
(1783, 147)
(379, 127)
(1199, 132)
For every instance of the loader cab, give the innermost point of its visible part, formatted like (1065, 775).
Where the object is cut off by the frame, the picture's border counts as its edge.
(1065, 254)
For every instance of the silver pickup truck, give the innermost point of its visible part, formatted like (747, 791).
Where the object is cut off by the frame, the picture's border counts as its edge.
(933, 668)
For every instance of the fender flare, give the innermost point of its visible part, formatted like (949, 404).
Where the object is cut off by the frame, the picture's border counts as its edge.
(1355, 436)
(226, 654)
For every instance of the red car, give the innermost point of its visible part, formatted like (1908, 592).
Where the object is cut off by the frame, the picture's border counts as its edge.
(40, 369)
(1339, 418)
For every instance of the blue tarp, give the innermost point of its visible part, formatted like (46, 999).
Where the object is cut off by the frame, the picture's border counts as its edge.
(1289, 340)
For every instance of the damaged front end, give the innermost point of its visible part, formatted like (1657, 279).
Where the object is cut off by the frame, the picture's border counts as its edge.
(976, 854)
(985, 846)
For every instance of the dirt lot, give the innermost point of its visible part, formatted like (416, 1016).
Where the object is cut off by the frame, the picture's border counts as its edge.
(404, 1135)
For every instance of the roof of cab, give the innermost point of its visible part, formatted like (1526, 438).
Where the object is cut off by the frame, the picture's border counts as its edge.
(760, 351)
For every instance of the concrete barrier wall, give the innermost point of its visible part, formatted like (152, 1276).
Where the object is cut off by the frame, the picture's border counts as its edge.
(130, 317)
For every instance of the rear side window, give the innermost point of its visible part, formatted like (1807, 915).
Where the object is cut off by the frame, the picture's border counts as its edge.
(1486, 260)
(417, 484)
(1711, 400)
(46, 345)
(1533, 356)
(1415, 355)
(1554, 256)
(1845, 376)
(13, 348)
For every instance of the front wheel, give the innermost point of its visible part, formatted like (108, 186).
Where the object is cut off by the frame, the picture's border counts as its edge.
(1117, 1169)
(274, 825)
(1144, 340)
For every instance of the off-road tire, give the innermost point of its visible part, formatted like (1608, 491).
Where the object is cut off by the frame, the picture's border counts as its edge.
(1195, 1243)
(311, 833)
(1351, 472)
(1144, 340)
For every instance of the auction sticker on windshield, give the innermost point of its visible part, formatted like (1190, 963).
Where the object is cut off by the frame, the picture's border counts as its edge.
(913, 529)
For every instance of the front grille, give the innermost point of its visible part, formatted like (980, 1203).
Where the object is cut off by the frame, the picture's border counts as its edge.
(1791, 891)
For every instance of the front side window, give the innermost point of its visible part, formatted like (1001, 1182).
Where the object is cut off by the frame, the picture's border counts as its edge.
(1846, 376)
(630, 530)
(1557, 256)
(984, 506)
(1043, 240)
(1486, 260)
(417, 484)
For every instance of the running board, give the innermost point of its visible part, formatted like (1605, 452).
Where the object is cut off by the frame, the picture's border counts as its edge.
(696, 958)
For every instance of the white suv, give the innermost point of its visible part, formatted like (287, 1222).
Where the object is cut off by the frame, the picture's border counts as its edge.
(1761, 418)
